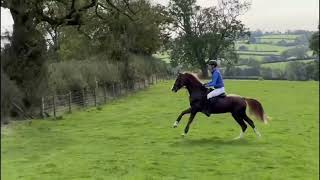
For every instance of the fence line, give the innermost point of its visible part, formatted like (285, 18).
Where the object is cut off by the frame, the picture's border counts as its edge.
(58, 104)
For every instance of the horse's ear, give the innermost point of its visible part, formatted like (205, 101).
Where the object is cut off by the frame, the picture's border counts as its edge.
(179, 73)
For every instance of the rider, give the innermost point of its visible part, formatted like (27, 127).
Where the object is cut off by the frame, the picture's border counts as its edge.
(217, 81)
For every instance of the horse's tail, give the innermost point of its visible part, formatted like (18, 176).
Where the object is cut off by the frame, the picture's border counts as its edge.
(256, 109)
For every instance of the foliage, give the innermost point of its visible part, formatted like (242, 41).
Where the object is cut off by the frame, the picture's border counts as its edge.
(76, 75)
(297, 52)
(25, 66)
(9, 94)
(206, 33)
(296, 71)
(243, 48)
(62, 32)
(314, 43)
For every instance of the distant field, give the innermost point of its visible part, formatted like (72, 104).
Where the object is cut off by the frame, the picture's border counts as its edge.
(282, 65)
(281, 36)
(257, 53)
(276, 38)
(132, 139)
(163, 56)
(243, 66)
(278, 65)
(257, 58)
(264, 47)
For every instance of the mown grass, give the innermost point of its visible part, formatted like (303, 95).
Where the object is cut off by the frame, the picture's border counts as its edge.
(132, 138)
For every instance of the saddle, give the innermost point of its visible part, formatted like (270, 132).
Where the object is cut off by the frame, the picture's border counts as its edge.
(214, 99)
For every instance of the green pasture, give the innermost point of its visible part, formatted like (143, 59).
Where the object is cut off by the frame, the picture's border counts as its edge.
(164, 56)
(133, 138)
(264, 47)
(282, 65)
(257, 58)
(281, 36)
(276, 38)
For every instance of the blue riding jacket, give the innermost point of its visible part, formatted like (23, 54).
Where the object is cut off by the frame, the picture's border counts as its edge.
(217, 81)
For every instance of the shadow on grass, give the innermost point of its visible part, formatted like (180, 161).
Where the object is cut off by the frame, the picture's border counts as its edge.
(215, 141)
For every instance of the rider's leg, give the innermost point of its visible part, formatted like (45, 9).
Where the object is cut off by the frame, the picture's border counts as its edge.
(215, 92)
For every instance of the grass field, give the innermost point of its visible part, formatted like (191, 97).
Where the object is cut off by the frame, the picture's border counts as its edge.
(282, 65)
(264, 47)
(277, 38)
(132, 138)
(257, 58)
(284, 36)
(163, 56)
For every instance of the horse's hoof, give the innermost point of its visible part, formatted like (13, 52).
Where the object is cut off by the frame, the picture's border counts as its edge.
(236, 138)
(183, 134)
(175, 124)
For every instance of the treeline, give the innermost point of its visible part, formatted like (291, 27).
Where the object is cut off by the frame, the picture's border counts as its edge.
(294, 71)
(51, 52)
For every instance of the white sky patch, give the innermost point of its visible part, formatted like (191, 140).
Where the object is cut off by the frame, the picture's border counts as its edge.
(273, 15)
(6, 20)
(266, 15)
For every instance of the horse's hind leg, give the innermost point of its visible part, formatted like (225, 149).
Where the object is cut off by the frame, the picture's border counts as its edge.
(250, 122)
(240, 121)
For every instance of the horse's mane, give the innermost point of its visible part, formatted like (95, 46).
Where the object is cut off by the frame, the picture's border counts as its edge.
(193, 78)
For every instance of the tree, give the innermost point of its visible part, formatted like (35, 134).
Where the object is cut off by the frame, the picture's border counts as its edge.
(296, 71)
(206, 33)
(298, 52)
(314, 43)
(243, 48)
(24, 60)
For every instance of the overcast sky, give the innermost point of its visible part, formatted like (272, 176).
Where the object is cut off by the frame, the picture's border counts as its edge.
(266, 15)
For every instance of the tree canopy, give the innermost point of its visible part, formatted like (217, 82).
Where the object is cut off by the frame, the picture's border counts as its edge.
(206, 33)
(47, 31)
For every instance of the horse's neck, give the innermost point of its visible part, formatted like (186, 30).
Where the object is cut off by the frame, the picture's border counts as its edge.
(193, 90)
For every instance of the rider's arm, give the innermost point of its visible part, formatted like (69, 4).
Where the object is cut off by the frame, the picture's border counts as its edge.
(214, 80)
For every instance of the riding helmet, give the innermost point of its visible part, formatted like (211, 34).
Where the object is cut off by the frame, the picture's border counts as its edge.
(213, 62)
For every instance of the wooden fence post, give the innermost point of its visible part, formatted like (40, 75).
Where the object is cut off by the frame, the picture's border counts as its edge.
(128, 88)
(42, 107)
(113, 90)
(95, 97)
(105, 94)
(69, 101)
(54, 106)
(124, 88)
(83, 98)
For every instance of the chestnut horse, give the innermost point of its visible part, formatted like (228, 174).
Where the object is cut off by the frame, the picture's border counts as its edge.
(236, 105)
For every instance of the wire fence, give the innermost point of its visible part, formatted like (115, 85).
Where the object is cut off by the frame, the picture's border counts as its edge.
(59, 104)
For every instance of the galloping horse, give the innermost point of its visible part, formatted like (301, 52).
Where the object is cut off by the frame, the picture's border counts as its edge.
(236, 105)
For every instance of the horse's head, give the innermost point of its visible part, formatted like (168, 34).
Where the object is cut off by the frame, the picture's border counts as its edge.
(179, 83)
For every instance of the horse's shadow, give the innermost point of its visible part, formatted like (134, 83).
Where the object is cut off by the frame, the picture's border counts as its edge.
(214, 141)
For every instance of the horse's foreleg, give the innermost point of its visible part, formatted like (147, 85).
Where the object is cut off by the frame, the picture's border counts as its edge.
(186, 129)
(180, 116)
